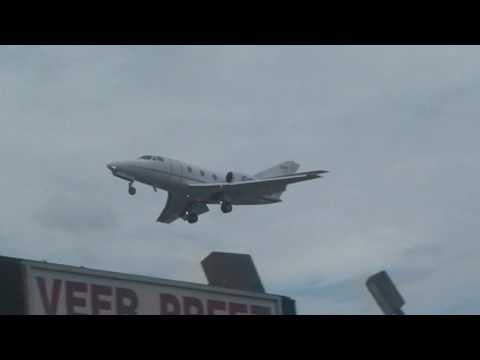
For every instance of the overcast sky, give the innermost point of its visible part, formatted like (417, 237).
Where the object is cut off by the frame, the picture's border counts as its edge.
(397, 126)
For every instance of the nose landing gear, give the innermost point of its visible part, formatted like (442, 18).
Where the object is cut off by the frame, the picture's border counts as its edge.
(131, 189)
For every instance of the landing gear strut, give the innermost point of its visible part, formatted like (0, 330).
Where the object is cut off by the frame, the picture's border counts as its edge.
(226, 207)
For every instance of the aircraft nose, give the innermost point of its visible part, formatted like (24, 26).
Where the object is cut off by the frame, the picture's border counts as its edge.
(112, 166)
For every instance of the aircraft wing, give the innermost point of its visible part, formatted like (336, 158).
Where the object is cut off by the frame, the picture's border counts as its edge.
(173, 209)
(176, 205)
(256, 186)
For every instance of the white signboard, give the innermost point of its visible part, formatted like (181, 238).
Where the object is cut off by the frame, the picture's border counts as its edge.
(58, 289)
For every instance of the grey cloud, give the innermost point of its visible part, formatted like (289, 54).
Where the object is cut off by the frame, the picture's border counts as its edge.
(71, 215)
(75, 206)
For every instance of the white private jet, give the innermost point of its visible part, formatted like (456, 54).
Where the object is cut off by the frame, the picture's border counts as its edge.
(190, 188)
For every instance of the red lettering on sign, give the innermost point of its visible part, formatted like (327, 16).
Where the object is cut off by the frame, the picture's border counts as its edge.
(190, 303)
(71, 288)
(235, 308)
(123, 294)
(214, 305)
(100, 298)
(49, 305)
(169, 305)
(97, 303)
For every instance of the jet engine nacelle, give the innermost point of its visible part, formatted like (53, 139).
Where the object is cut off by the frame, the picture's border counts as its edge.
(234, 176)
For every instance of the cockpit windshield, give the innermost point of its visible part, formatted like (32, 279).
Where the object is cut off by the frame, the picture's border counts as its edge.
(151, 157)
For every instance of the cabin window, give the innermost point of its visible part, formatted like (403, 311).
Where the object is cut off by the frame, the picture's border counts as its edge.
(202, 173)
(189, 169)
(146, 157)
(159, 158)
(214, 177)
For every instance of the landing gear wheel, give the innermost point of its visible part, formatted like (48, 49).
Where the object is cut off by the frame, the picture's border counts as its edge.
(192, 218)
(131, 190)
(226, 207)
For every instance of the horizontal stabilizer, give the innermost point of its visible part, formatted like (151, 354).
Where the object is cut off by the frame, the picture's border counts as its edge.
(282, 169)
(312, 172)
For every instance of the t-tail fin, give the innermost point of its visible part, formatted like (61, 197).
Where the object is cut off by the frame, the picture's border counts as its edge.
(282, 169)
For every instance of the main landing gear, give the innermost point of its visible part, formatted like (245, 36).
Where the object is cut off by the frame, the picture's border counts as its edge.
(192, 218)
(189, 216)
(226, 207)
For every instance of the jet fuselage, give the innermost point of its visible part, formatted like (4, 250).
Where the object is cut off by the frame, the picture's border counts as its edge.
(190, 188)
(175, 176)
